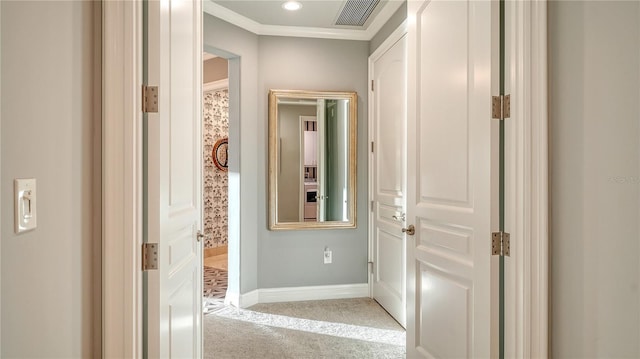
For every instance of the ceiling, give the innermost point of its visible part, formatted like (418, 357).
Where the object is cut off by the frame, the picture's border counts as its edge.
(316, 18)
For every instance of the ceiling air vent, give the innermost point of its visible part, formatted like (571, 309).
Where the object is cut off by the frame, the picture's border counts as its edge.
(356, 12)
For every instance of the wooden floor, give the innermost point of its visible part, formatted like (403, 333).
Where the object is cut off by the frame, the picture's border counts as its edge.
(218, 261)
(215, 281)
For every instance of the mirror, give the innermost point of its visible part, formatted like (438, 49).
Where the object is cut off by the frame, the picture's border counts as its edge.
(312, 159)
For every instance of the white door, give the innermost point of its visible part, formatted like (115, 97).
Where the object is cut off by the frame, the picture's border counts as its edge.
(449, 179)
(389, 113)
(173, 179)
(322, 160)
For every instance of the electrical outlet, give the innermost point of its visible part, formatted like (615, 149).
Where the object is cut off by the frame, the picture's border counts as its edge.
(327, 256)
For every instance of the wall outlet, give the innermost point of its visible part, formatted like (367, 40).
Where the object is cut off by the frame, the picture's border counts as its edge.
(327, 256)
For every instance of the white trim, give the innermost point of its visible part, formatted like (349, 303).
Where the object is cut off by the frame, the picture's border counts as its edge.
(367, 34)
(216, 85)
(232, 298)
(526, 172)
(1, 177)
(386, 45)
(296, 294)
(249, 299)
(234, 210)
(121, 180)
(242, 300)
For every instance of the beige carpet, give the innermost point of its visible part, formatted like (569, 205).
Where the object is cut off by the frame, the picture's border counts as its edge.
(341, 328)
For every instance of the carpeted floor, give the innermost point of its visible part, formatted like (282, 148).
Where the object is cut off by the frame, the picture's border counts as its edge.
(340, 328)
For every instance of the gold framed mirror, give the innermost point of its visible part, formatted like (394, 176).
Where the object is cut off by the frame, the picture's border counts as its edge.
(312, 159)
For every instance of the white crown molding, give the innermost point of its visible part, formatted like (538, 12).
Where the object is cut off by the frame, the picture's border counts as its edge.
(381, 19)
(234, 18)
(395, 36)
(215, 85)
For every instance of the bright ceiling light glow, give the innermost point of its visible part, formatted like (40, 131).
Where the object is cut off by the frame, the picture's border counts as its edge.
(291, 5)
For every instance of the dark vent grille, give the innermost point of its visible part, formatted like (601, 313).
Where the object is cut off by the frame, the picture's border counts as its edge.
(356, 12)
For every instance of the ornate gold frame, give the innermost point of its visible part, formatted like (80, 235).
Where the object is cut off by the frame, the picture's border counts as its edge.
(273, 151)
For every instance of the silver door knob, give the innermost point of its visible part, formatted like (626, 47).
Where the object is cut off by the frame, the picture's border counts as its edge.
(411, 230)
(200, 236)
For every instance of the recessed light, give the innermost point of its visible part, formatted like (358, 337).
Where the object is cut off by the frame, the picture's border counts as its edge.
(291, 5)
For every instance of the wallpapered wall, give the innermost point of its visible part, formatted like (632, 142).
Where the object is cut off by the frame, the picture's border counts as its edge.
(216, 188)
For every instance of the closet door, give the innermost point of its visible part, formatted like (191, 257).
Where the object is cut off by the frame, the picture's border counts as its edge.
(449, 179)
(173, 182)
(388, 183)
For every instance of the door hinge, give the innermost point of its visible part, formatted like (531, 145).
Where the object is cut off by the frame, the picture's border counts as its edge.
(500, 244)
(149, 256)
(371, 146)
(371, 85)
(372, 206)
(501, 107)
(149, 99)
(370, 264)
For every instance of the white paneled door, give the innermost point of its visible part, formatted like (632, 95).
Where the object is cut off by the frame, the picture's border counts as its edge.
(173, 179)
(449, 179)
(389, 117)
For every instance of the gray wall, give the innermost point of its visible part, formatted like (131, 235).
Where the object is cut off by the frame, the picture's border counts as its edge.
(289, 173)
(50, 131)
(390, 26)
(594, 64)
(245, 131)
(294, 258)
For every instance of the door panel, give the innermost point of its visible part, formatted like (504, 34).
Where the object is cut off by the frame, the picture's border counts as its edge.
(173, 182)
(443, 82)
(449, 179)
(322, 160)
(389, 168)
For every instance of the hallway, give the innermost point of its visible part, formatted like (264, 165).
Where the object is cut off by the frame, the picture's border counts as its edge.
(339, 328)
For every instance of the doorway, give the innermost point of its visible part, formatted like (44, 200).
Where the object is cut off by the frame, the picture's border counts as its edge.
(215, 189)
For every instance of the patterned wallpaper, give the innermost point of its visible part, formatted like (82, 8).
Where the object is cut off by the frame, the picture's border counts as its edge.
(216, 197)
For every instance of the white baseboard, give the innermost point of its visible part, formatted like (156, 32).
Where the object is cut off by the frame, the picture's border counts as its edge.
(295, 294)
(249, 299)
(232, 298)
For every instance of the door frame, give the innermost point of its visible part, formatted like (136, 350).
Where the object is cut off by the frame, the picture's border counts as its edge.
(302, 191)
(526, 182)
(395, 36)
(122, 180)
(526, 171)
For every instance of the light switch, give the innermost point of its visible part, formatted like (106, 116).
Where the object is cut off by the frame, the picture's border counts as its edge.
(25, 204)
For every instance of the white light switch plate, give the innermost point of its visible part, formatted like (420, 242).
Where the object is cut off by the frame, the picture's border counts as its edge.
(25, 204)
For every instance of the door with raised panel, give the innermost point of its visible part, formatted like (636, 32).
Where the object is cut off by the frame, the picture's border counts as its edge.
(449, 179)
(173, 200)
(388, 161)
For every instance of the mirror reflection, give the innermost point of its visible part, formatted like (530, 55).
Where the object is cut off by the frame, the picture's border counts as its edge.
(312, 152)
